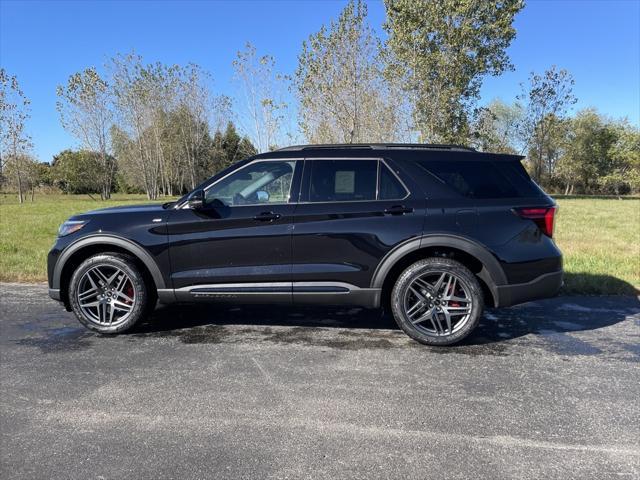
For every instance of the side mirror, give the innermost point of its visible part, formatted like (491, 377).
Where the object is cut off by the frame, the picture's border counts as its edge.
(196, 200)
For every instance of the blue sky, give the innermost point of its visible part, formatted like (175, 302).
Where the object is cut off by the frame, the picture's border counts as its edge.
(44, 42)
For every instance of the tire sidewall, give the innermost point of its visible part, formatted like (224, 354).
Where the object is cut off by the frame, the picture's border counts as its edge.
(140, 289)
(441, 265)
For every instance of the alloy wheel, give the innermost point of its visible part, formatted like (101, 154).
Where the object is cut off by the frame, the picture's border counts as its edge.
(438, 303)
(106, 295)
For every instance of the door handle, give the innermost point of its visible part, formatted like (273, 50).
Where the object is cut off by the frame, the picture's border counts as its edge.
(398, 210)
(267, 217)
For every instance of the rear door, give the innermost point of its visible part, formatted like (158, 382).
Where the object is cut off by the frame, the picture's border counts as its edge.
(352, 211)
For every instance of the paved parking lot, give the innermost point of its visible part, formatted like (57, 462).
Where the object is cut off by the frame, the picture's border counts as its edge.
(545, 390)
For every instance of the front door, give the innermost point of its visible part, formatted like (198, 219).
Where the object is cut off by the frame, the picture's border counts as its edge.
(240, 240)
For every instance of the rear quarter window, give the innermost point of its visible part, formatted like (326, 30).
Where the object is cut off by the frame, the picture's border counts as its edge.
(483, 179)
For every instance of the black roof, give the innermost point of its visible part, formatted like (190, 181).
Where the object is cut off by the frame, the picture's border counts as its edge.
(397, 151)
(378, 146)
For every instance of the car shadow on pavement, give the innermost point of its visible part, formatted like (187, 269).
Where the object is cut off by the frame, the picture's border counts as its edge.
(556, 316)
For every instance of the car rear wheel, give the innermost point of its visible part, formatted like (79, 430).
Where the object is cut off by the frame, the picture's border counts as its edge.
(437, 301)
(108, 293)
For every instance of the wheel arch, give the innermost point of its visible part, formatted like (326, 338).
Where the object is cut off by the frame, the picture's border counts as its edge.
(471, 254)
(79, 251)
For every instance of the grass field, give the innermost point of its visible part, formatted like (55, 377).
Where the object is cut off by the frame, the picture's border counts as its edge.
(600, 239)
(28, 231)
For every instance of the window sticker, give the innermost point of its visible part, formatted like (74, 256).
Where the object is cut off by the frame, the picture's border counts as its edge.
(345, 181)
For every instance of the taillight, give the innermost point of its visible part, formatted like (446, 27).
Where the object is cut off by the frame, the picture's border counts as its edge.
(544, 217)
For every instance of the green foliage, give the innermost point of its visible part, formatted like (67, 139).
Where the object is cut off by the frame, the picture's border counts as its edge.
(441, 51)
(495, 127)
(15, 143)
(600, 156)
(623, 169)
(229, 147)
(80, 171)
(342, 95)
(23, 173)
(547, 98)
(85, 108)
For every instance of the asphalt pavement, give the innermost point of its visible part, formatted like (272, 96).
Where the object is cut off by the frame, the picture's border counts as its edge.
(548, 389)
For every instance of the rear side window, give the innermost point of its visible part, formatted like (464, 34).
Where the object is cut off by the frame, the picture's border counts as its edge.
(352, 181)
(390, 186)
(484, 179)
(343, 180)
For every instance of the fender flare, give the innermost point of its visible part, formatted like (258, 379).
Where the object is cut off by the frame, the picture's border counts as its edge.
(491, 273)
(102, 239)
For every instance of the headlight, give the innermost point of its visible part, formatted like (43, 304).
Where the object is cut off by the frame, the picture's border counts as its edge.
(71, 226)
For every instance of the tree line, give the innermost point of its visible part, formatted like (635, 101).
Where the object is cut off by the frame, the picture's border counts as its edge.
(161, 130)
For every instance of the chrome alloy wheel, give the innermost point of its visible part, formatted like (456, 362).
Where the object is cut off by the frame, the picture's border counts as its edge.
(106, 295)
(438, 303)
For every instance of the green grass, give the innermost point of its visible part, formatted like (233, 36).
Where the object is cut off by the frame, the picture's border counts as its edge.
(28, 231)
(600, 239)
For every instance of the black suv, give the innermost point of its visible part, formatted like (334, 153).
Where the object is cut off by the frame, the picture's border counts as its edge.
(432, 232)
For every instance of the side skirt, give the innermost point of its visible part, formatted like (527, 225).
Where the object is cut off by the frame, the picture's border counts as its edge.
(299, 293)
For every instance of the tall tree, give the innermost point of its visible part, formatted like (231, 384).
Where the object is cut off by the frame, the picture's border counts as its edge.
(140, 92)
(586, 155)
(339, 83)
(547, 98)
(229, 147)
(262, 97)
(191, 117)
(162, 136)
(442, 50)
(86, 111)
(14, 141)
(623, 172)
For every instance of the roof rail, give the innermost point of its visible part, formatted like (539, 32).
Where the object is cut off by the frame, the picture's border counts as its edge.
(380, 146)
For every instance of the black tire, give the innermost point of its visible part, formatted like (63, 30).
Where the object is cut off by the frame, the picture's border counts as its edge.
(143, 298)
(465, 280)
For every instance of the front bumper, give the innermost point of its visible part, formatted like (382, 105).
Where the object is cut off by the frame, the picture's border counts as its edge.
(544, 286)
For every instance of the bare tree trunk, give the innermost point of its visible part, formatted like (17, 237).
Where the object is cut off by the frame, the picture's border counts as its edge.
(20, 195)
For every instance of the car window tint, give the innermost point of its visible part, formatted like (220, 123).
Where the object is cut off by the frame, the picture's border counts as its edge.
(390, 187)
(257, 183)
(343, 180)
(483, 179)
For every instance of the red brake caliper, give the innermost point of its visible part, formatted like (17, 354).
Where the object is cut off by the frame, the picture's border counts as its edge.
(453, 304)
(129, 293)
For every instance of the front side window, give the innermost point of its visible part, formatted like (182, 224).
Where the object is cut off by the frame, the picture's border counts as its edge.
(258, 183)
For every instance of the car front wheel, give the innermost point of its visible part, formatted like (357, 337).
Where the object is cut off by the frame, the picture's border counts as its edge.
(437, 301)
(107, 293)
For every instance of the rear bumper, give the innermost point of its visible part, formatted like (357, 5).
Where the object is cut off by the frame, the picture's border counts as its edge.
(544, 286)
